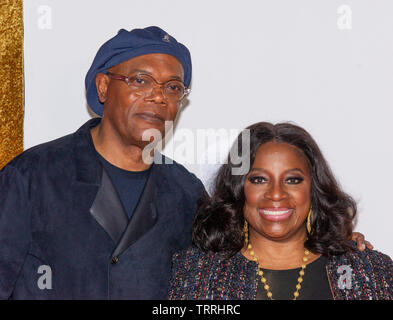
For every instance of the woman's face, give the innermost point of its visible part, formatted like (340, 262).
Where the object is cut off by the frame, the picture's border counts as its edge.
(277, 192)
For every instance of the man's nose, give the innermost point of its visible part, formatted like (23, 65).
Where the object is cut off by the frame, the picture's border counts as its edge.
(156, 94)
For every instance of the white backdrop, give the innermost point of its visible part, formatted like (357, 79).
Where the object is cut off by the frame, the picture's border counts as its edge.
(326, 65)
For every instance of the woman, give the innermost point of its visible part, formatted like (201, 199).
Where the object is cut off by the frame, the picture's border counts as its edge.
(279, 232)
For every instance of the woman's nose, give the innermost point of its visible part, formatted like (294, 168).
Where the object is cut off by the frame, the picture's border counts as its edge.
(276, 192)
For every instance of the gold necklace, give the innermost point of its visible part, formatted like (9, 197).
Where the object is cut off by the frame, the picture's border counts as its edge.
(263, 279)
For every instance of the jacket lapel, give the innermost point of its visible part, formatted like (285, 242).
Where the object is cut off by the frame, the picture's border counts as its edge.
(144, 216)
(105, 206)
(108, 210)
(92, 181)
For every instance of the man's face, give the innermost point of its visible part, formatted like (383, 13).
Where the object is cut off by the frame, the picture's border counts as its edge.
(130, 111)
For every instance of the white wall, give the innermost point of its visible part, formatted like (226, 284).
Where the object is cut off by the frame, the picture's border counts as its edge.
(299, 62)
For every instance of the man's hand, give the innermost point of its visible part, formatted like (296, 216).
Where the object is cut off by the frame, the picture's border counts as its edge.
(360, 241)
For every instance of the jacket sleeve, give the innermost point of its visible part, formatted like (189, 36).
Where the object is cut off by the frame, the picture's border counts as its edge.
(14, 227)
(383, 272)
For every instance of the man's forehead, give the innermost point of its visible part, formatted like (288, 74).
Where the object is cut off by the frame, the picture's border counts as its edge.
(151, 63)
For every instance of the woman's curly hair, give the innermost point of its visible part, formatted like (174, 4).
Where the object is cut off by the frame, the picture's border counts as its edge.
(219, 220)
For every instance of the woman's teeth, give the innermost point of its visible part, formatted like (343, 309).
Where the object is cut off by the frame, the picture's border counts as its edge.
(276, 212)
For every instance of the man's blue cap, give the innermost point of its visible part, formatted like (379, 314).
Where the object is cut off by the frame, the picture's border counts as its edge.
(130, 44)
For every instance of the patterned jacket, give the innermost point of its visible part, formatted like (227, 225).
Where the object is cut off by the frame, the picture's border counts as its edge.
(209, 276)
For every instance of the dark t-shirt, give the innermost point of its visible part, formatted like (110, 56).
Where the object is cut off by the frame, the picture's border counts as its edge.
(282, 283)
(129, 184)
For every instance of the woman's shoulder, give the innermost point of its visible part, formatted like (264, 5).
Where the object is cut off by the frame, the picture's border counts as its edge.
(370, 257)
(369, 273)
(193, 258)
(378, 258)
(380, 264)
(208, 275)
(191, 252)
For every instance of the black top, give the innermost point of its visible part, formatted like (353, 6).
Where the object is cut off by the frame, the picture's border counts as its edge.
(129, 184)
(282, 283)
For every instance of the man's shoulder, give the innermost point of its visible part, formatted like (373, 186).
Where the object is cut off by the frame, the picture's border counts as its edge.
(180, 175)
(173, 166)
(51, 151)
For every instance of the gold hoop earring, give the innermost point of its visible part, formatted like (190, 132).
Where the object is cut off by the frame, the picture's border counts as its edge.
(309, 221)
(245, 233)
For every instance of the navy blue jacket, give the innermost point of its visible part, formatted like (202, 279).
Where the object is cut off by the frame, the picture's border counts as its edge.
(59, 209)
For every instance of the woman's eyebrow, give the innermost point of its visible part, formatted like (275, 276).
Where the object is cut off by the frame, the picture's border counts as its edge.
(295, 169)
(286, 171)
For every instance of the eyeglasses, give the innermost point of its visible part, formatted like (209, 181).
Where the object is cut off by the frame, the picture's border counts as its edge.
(172, 89)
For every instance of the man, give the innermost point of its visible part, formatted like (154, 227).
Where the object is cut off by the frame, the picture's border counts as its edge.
(85, 216)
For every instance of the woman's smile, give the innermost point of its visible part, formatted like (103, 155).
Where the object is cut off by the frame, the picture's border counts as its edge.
(276, 214)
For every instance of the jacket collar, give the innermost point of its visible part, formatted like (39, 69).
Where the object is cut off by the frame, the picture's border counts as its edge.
(88, 166)
(106, 207)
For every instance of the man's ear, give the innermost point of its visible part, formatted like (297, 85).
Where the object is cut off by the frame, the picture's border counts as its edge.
(102, 82)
